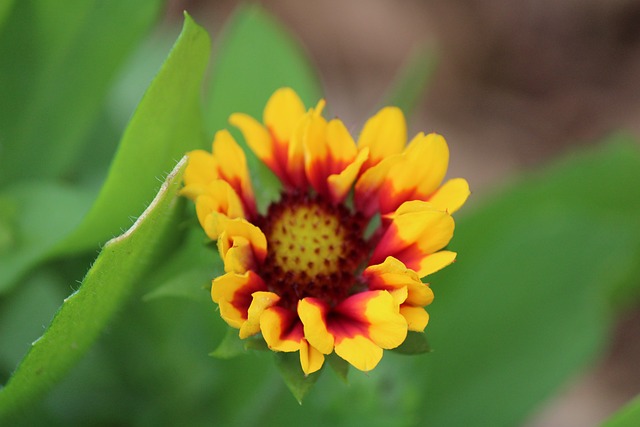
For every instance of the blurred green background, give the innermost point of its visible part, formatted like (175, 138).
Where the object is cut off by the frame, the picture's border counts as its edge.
(536, 324)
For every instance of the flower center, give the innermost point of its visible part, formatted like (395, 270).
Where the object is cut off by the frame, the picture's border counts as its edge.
(314, 249)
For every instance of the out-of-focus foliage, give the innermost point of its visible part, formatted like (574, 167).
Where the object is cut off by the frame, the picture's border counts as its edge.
(114, 275)
(628, 416)
(58, 61)
(544, 265)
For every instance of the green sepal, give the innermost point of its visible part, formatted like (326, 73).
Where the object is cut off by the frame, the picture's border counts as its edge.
(232, 345)
(415, 343)
(298, 383)
(339, 366)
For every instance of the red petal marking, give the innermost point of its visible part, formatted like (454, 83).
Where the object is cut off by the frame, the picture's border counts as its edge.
(317, 174)
(242, 297)
(290, 324)
(389, 245)
(246, 196)
(278, 160)
(291, 176)
(411, 256)
(390, 199)
(348, 319)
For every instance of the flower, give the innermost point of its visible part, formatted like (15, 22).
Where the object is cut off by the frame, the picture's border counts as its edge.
(309, 274)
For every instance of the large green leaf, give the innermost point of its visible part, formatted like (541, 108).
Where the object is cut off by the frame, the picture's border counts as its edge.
(166, 124)
(529, 302)
(255, 57)
(115, 274)
(58, 60)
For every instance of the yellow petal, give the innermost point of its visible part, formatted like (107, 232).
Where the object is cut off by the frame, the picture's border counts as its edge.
(388, 329)
(360, 352)
(340, 144)
(282, 113)
(313, 313)
(392, 276)
(436, 262)
(238, 258)
(241, 245)
(419, 174)
(217, 198)
(416, 224)
(232, 165)
(385, 134)
(311, 359)
(232, 292)
(316, 153)
(431, 155)
(451, 195)
(257, 137)
(200, 171)
(417, 317)
(419, 294)
(340, 184)
(260, 302)
(367, 189)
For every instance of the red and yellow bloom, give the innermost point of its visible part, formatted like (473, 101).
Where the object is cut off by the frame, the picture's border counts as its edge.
(304, 274)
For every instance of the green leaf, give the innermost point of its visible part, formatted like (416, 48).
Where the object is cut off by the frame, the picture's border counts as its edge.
(166, 124)
(114, 275)
(255, 57)
(231, 345)
(528, 303)
(58, 61)
(298, 383)
(5, 8)
(339, 366)
(35, 217)
(629, 416)
(415, 343)
(409, 87)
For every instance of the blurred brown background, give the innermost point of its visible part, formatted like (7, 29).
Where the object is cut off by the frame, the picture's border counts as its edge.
(518, 82)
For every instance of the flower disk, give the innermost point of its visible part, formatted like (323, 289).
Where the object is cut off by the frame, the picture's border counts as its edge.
(314, 249)
(314, 274)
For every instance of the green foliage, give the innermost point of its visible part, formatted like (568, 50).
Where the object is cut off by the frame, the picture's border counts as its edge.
(34, 217)
(255, 57)
(167, 123)
(187, 273)
(84, 314)
(58, 60)
(544, 265)
(629, 416)
(415, 343)
(299, 383)
(528, 304)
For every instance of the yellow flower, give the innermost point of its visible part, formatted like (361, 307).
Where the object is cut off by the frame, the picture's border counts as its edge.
(304, 273)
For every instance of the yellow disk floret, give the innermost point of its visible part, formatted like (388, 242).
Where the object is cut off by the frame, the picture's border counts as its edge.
(307, 239)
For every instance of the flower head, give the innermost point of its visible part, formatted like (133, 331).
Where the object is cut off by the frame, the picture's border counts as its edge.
(308, 274)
